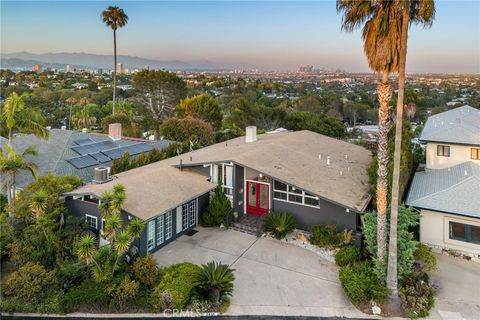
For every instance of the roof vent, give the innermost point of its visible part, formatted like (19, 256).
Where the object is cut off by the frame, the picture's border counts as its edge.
(466, 172)
(251, 134)
(102, 174)
(49, 128)
(63, 127)
(328, 160)
(84, 130)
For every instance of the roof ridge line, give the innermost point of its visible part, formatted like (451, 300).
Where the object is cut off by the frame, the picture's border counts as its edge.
(452, 186)
(70, 132)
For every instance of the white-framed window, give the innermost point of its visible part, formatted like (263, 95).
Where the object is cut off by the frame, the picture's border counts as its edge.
(91, 221)
(160, 230)
(168, 225)
(287, 193)
(151, 235)
(223, 171)
(185, 216)
(192, 213)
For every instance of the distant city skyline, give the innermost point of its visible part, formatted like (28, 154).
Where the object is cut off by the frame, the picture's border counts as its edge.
(266, 35)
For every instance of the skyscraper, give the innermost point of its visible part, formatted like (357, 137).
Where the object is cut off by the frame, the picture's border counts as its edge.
(119, 68)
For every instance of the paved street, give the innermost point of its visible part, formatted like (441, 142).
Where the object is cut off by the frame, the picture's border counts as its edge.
(272, 278)
(459, 294)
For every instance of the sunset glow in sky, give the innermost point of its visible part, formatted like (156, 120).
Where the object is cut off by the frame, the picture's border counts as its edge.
(265, 34)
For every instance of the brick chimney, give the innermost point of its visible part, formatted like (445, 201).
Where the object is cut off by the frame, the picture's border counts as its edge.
(115, 131)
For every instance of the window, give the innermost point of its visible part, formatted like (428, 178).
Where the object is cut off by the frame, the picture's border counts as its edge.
(443, 151)
(168, 225)
(225, 173)
(151, 235)
(91, 221)
(160, 226)
(192, 213)
(285, 192)
(464, 232)
(185, 216)
(475, 153)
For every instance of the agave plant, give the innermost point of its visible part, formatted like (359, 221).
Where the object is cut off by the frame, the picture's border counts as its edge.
(279, 224)
(215, 281)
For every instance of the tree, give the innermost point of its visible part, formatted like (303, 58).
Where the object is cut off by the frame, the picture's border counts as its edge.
(83, 118)
(218, 208)
(114, 17)
(12, 163)
(381, 40)
(421, 12)
(320, 123)
(192, 130)
(215, 280)
(38, 207)
(160, 91)
(202, 106)
(16, 116)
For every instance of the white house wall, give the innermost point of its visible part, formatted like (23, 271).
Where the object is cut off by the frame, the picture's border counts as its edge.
(434, 231)
(458, 154)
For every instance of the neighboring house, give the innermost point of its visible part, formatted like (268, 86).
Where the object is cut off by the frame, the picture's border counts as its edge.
(447, 193)
(315, 178)
(68, 152)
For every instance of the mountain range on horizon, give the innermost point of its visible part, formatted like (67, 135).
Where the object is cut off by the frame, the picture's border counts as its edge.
(88, 60)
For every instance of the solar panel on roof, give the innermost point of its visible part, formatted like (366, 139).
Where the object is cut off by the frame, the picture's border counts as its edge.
(100, 157)
(83, 161)
(93, 147)
(82, 142)
(115, 153)
(138, 148)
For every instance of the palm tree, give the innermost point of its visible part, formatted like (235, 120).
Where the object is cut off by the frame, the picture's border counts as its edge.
(381, 40)
(422, 12)
(121, 245)
(11, 163)
(114, 17)
(215, 280)
(83, 118)
(86, 249)
(38, 205)
(16, 116)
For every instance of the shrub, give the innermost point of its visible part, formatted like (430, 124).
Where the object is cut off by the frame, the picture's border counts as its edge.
(347, 255)
(29, 281)
(127, 289)
(325, 235)
(215, 281)
(217, 210)
(89, 294)
(199, 305)
(424, 255)
(177, 282)
(45, 303)
(279, 224)
(145, 270)
(361, 284)
(417, 297)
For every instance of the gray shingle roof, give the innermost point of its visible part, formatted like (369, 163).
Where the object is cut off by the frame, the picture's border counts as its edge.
(455, 190)
(460, 125)
(53, 152)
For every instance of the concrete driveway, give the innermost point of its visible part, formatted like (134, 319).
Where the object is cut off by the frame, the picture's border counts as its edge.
(271, 277)
(458, 296)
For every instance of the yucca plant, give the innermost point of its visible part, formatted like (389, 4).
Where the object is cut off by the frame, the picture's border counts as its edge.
(215, 281)
(279, 224)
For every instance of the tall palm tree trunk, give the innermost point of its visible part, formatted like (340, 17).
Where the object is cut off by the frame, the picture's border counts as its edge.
(384, 90)
(392, 278)
(114, 69)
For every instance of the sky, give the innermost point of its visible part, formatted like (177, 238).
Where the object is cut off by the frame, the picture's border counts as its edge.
(269, 35)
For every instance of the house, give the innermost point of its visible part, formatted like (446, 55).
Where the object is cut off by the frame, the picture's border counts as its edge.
(68, 152)
(447, 192)
(316, 178)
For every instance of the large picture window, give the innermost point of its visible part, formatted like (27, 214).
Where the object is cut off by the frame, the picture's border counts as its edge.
(464, 232)
(285, 192)
(443, 151)
(151, 235)
(224, 172)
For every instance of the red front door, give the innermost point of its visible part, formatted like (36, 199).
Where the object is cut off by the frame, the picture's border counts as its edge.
(258, 198)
